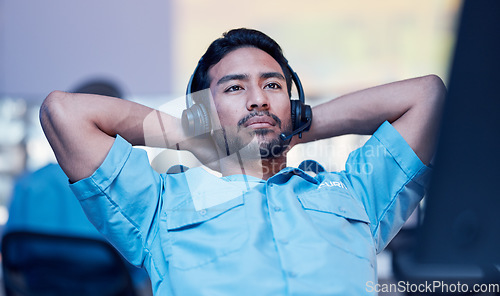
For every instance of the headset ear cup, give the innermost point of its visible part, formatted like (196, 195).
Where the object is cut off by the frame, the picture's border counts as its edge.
(204, 126)
(308, 114)
(196, 120)
(294, 106)
(301, 114)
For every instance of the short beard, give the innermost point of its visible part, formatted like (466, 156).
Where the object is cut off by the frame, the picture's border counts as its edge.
(275, 147)
(230, 143)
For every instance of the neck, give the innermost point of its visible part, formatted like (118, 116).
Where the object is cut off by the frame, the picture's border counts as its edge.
(239, 164)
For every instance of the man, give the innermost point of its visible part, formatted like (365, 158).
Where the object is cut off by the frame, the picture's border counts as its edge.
(261, 229)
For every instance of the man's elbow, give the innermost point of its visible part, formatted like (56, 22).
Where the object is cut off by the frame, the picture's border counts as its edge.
(435, 90)
(53, 98)
(51, 107)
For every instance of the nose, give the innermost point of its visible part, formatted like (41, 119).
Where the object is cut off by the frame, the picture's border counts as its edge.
(257, 100)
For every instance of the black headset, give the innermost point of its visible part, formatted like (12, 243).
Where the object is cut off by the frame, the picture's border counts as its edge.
(196, 117)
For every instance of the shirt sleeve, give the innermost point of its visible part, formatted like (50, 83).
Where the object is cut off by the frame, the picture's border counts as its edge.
(122, 199)
(389, 179)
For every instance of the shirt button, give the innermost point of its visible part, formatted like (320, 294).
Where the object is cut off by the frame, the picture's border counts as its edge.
(284, 241)
(342, 210)
(203, 212)
(277, 209)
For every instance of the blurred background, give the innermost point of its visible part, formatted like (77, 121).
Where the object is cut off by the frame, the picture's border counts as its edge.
(150, 49)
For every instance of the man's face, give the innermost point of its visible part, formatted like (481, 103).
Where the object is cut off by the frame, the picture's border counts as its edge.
(251, 99)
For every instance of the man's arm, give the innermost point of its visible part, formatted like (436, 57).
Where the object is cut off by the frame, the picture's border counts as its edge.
(412, 106)
(81, 128)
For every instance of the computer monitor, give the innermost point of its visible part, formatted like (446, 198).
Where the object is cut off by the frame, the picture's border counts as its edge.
(459, 238)
(461, 223)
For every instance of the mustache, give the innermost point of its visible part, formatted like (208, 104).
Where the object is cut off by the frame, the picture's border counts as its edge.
(259, 113)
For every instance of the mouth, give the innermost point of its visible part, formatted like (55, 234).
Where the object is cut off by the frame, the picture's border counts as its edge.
(260, 120)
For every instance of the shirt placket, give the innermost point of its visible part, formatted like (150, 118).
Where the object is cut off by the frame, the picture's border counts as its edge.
(285, 216)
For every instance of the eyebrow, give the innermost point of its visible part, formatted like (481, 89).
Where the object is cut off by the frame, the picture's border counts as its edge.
(272, 75)
(232, 77)
(265, 75)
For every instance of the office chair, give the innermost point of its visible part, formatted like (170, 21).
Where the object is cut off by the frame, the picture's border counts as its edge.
(46, 264)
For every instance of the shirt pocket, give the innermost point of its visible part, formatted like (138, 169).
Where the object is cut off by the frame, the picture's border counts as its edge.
(202, 237)
(340, 220)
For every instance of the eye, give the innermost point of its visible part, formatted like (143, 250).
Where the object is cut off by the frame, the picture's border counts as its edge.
(233, 88)
(273, 85)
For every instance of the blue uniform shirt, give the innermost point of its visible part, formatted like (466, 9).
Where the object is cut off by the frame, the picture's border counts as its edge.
(197, 234)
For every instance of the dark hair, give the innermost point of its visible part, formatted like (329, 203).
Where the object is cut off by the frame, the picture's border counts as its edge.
(232, 40)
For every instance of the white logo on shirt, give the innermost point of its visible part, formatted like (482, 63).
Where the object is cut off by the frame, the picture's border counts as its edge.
(332, 184)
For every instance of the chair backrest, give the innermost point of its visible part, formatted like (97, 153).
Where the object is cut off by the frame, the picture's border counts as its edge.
(46, 264)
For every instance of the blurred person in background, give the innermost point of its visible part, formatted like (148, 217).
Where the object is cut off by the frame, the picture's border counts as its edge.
(42, 202)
